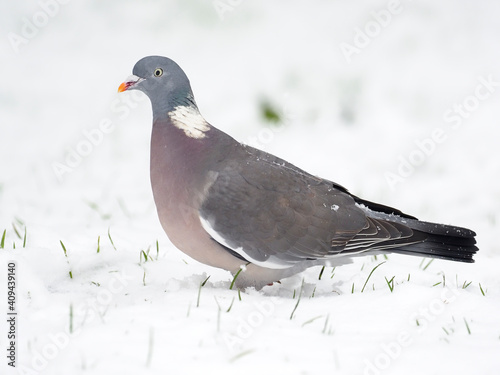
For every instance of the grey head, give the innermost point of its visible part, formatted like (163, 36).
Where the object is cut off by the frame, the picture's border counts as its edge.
(163, 81)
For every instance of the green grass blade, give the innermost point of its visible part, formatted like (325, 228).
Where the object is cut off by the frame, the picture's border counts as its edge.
(390, 283)
(236, 276)
(202, 284)
(67, 260)
(298, 300)
(321, 272)
(311, 320)
(466, 284)
(482, 291)
(2, 243)
(16, 231)
(428, 264)
(368, 278)
(467, 325)
(64, 249)
(333, 273)
(240, 355)
(110, 239)
(230, 306)
(421, 263)
(19, 221)
(326, 323)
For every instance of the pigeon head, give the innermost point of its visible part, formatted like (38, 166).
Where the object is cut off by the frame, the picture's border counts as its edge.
(163, 81)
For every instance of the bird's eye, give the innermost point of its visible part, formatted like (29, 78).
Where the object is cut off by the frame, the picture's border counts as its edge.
(158, 72)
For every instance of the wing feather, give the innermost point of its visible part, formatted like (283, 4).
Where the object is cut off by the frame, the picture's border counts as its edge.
(271, 212)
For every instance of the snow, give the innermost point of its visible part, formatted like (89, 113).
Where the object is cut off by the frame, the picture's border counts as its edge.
(74, 167)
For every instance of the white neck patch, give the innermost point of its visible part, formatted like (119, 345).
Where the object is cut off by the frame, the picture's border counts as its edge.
(190, 121)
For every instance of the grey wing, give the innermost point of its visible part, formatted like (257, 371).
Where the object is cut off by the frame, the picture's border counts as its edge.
(269, 212)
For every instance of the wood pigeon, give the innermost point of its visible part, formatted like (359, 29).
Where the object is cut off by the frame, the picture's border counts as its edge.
(235, 207)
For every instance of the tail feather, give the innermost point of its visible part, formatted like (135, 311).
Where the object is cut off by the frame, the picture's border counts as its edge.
(443, 241)
(438, 250)
(441, 229)
(430, 239)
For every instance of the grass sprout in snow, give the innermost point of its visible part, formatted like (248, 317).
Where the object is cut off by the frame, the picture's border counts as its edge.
(326, 327)
(321, 272)
(427, 265)
(94, 206)
(67, 260)
(110, 239)
(368, 278)
(311, 320)
(483, 292)
(2, 242)
(230, 305)
(390, 283)
(202, 284)
(467, 326)
(145, 255)
(298, 299)
(241, 355)
(16, 231)
(242, 268)
(466, 284)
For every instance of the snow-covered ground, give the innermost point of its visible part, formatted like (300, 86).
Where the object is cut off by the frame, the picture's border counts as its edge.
(398, 101)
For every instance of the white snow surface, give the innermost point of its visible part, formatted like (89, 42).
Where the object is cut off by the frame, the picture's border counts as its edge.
(74, 166)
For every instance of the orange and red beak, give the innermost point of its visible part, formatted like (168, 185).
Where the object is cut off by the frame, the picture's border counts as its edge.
(130, 82)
